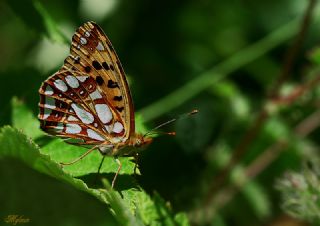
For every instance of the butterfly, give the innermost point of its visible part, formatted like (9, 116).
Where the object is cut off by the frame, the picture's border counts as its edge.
(87, 101)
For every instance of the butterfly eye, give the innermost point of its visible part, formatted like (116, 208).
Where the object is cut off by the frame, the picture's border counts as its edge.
(138, 142)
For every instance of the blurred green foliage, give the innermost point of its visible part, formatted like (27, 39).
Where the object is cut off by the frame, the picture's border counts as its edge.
(300, 191)
(223, 58)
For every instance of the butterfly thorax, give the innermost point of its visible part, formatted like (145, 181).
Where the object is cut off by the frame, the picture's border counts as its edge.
(134, 144)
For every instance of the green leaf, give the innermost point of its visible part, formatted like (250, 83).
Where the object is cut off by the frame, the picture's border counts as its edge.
(63, 152)
(23, 118)
(314, 55)
(132, 207)
(258, 199)
(140, 127)
(150, 211)
(15, 144)
(181, 219)
(120, 208)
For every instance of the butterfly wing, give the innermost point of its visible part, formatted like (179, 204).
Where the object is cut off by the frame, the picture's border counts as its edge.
(92, 52)
(73, 106)
(88, 100)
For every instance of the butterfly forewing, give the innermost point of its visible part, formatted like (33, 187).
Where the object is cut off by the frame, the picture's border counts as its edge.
(88, 100)
(92, 53)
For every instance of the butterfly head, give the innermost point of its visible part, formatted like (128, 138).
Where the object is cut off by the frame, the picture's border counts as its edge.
(139, 140)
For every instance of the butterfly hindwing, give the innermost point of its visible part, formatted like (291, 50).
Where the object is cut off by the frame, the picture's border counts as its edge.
(72, 105)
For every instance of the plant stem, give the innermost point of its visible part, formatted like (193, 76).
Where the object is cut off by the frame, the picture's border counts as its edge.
(220, 71)
(52, 30)
(263, 114)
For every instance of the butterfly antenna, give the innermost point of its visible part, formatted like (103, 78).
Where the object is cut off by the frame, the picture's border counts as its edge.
(153, 131)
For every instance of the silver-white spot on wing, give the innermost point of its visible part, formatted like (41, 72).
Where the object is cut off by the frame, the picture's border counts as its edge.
(73, 128)
(95, 95)
(48, 91)
(87, 34)
(103, 112)
(60, 85)
(108, 128)
(117, 127)
(46, 114)
(71, 118)
(94, 135)
(83, 41)
(59, 127)
(76, 58)
(100, 46)
(107, 148)
(83, 115)
(115, 140)
(50, 103)
(82, 78)
(72, 81)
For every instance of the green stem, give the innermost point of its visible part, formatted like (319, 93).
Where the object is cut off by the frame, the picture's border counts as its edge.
(220, 71)
(52, 29)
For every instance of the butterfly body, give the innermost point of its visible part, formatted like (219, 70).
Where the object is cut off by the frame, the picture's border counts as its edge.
(88, 101)
(129, 148)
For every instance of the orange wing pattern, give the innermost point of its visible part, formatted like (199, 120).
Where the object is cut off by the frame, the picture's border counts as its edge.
(88, 99)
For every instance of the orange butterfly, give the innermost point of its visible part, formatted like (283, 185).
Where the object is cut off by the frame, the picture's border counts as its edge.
(88, 101)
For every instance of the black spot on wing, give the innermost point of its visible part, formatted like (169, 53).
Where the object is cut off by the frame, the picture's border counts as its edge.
(99, 80)
(105, 66)
(76, 59)
(117, 98)
(87, 69)
(111, 84)
(120, 109)
(96, 65)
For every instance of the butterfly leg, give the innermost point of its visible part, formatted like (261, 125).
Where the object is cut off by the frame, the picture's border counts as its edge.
(98, 173)
(119, 168)
(79, 158)
(101, 164)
